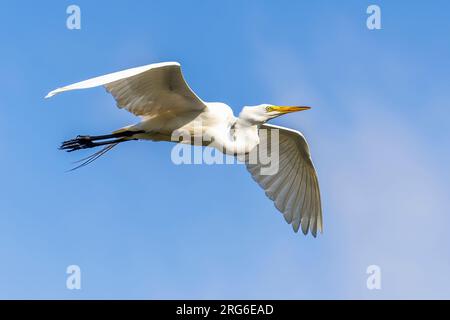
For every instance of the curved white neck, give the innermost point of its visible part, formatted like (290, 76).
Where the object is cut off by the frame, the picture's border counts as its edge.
(240, 140)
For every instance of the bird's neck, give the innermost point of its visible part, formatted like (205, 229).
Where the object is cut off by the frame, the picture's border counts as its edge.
(242, 138)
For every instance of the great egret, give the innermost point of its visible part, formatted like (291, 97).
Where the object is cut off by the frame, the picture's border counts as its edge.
(159, 94)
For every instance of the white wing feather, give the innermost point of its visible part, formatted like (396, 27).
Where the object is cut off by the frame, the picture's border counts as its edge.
(146, 90)
(294, 188)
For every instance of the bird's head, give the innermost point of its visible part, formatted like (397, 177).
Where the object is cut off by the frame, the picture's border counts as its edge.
(264, 112)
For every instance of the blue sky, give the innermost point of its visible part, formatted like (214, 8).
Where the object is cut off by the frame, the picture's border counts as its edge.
(140, 227)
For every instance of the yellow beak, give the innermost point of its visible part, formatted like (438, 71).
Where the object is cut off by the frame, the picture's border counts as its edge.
(287, 109)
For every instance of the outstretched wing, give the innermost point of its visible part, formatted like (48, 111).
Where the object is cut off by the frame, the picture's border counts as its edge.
(294, 188)
(147, 90)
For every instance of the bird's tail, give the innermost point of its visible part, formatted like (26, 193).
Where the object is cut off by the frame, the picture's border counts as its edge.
(86, 142)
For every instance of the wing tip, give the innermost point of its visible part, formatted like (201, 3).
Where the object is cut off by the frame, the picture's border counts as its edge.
(296, 226)
(54, 92)
(50, 94)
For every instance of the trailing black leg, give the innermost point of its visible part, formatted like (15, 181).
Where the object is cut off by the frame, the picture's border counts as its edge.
(85, 142)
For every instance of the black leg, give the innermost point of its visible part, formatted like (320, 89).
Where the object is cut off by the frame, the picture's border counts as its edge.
(85, 142)
(110, 136)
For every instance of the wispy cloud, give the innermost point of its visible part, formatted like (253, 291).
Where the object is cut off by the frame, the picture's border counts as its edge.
(384, 203)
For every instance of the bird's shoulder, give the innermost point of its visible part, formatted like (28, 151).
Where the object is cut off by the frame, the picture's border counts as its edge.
(219, 108)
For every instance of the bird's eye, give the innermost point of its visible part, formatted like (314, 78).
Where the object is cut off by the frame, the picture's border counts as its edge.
(269, 109)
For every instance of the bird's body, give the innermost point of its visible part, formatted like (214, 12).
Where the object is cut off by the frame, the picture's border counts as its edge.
(170, 111)
(215, 120)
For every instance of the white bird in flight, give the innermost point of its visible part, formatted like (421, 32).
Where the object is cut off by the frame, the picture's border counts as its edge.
(159, 94)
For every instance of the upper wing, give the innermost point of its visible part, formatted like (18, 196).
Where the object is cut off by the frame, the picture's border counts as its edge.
(146, 90)
(294, 188)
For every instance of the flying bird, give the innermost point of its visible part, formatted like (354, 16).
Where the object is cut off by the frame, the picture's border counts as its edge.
(159, 95)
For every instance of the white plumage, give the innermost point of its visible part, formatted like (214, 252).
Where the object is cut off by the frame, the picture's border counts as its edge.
(159, 94)
(294, 189)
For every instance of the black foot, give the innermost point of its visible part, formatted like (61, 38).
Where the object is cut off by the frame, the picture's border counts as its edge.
(80, 142)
